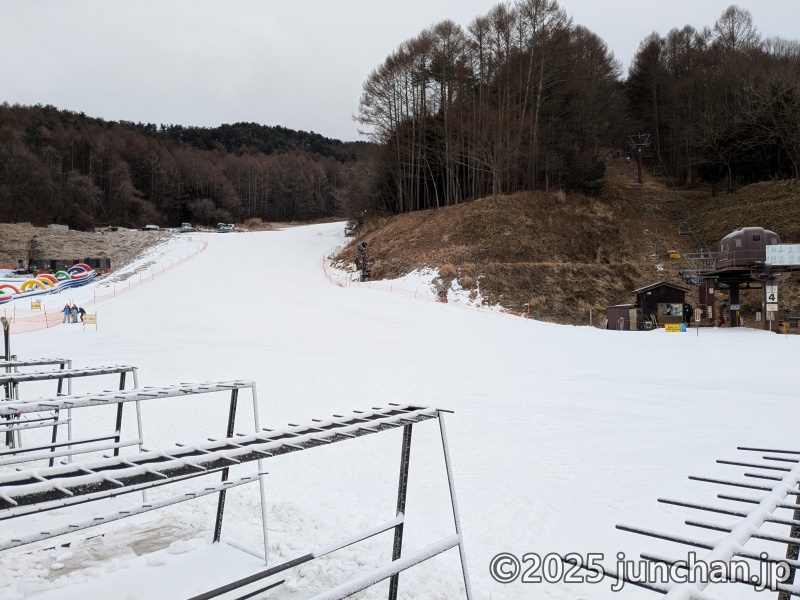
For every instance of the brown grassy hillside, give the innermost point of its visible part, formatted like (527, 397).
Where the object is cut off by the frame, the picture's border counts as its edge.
(772, 205)
(566, 253)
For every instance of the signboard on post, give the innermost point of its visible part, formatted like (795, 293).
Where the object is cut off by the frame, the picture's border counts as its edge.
(36, 305)
(758, 316)
(771, 292)
(675, 327)
(783, 254)
(90, 319)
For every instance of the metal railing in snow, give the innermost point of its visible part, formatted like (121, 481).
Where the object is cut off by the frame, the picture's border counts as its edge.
(10, 381)
(773, 500)
(38, 490)
(341, 429)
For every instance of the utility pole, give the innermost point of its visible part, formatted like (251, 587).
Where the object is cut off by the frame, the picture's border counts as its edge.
(638, 144)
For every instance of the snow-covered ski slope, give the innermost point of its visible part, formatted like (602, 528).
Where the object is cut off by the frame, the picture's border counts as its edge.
(559, 432)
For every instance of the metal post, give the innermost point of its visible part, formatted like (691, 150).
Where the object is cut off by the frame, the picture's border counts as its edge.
(734, 300)
(639, 179)
(55, 436)
(141, 437)
(68, 365)
(9, 386)
(792, 551)
(462, 554)
(221, 502)
(118, 428)
(402, 489)
(261, 479)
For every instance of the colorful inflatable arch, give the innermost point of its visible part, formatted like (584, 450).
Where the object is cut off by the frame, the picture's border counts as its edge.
(9, 286)
(31, 283)
(77, 275)
(79, 268)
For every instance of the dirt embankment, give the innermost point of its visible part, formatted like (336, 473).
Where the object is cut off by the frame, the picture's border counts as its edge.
(563, 254)
(120, 246)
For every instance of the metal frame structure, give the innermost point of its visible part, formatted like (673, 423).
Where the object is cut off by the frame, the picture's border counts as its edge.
(12, 365)
(638, 143)
(81, 482)
(777, 477)
(73, 447)
(324, 432)
(38, 490)
(15, 423)
(36, 362)
(14, 379)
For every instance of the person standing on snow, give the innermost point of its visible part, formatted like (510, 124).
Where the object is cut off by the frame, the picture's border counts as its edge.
(81, 312)
(74, 313)
(67, 311)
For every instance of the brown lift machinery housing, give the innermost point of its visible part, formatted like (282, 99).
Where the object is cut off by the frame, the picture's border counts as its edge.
(744, 262)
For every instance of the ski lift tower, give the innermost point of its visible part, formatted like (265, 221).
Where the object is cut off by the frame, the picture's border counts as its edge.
(638, 143)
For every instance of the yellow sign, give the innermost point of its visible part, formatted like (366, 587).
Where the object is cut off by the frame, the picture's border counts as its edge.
(90, 318)
(672, 327)
(36, 305)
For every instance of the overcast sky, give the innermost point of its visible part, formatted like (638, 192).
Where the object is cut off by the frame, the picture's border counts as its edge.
(295, 63)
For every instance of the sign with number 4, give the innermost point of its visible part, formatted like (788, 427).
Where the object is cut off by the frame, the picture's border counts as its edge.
(772, 293)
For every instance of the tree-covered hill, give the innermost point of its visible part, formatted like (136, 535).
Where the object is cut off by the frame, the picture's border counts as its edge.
(59, 166)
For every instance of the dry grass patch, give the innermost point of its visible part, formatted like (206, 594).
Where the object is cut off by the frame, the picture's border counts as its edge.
(565, 253)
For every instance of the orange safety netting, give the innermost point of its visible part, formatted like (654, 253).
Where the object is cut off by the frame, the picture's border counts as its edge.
(23, 320)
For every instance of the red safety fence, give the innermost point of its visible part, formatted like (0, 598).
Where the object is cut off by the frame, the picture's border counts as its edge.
(23, 320)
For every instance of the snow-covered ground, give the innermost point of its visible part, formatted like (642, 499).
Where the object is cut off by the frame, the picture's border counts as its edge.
(558, 434)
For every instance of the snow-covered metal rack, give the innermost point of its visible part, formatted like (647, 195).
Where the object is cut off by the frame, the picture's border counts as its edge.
(60, 375)
(38, 490)
(73, 447)
(777, 478)
(43, 489)
(13, 365)
(11, 380)
(35, 362)
(340, 429)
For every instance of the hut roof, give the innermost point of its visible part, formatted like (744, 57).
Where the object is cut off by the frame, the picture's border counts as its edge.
(653, 286)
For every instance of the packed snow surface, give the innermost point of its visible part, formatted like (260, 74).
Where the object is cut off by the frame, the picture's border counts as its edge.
(558, 433)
